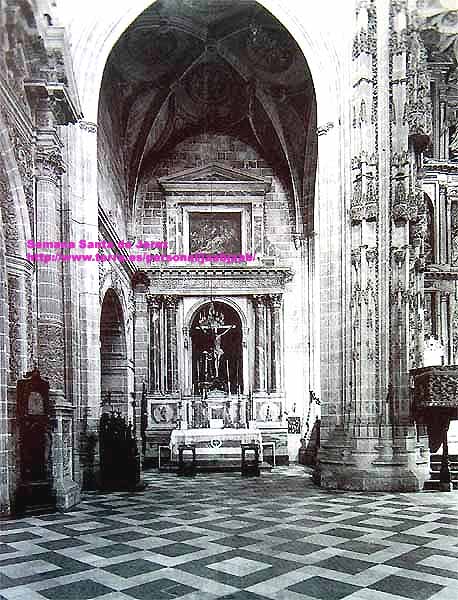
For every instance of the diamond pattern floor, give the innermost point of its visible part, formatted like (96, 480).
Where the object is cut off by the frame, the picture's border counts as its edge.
(214, 536)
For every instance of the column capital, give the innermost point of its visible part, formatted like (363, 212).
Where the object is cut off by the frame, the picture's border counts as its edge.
(154, 302)
(18, 265)
(259, 300)
(49, 163)
(171, 302)
(275, 300)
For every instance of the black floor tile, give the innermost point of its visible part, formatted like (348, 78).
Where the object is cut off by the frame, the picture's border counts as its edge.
(405, 538)
(78, 590)
(127, 536)
(113, 550)
(61, 544)
(361, 547)
(323, 589)
(344, 533)
(161, 589)
(343, 564)
(132, 568)
(176, 550)
(298, 547)
(408, 588)
(181, 536)
(289, 534)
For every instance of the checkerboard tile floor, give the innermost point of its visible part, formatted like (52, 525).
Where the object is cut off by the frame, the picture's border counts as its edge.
(223, 536)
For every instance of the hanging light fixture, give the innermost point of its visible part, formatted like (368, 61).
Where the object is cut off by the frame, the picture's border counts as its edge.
(210, 320)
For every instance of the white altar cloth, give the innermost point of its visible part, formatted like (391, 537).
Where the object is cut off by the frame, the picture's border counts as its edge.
(213, 442)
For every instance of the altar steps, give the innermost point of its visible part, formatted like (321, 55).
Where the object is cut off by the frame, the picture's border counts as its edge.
(211, 467)
(435, 461)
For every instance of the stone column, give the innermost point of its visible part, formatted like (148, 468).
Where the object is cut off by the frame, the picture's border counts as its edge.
(171, 304)
(50, 319)
(6, 453)
(20, 272)
(49, 283)
(80, 193)
(442, 232)
(276, 383)
(444, 325)
(368, 441)
(260, 344)
(155, 365)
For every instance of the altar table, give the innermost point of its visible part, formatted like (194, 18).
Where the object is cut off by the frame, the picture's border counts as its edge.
(215, 447)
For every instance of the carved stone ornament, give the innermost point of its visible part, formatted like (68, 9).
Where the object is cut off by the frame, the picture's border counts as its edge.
(192, 281)
(356, 257)
(140, 281)
(154, 302)
(364, 42)
(371, 255)
(323, 129)
(418, 108)
(357, 206)
(275, 301)
(88, 126)
(171, 302)
(49, 163)
(399, 255)
(405, 204)
(436, 387)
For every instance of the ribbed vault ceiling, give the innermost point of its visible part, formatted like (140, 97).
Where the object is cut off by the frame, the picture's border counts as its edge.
(186, 67)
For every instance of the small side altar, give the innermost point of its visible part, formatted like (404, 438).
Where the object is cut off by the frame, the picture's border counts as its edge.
(215, 448)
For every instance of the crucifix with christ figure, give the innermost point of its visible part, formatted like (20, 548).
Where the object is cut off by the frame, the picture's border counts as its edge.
(213, 325)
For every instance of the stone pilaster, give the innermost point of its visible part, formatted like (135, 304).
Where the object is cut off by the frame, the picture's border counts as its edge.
(155, 364)
(259, 303)
(171, 305)
(276, 353)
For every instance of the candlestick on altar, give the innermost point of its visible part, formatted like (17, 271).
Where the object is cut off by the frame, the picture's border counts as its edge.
(228, 382)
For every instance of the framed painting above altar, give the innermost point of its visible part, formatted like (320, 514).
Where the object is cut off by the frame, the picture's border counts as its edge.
(215, 232)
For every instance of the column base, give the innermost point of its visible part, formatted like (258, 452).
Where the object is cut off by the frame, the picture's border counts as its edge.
(371, 459)
(68, 493)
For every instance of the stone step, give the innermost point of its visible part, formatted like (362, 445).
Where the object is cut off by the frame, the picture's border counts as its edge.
(38, 510)
(432, 484)
(210, 466)
(435, 461)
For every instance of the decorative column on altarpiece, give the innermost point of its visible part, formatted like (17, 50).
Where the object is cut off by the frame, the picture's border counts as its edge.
(171, 305)
(259, 303)
(154, 304)
(49, 168)
(274, 304)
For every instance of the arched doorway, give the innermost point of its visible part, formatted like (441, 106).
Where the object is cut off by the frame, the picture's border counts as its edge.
(217, 354)
(113, 354)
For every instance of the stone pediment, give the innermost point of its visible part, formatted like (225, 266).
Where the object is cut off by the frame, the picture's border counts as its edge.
(216, 177)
